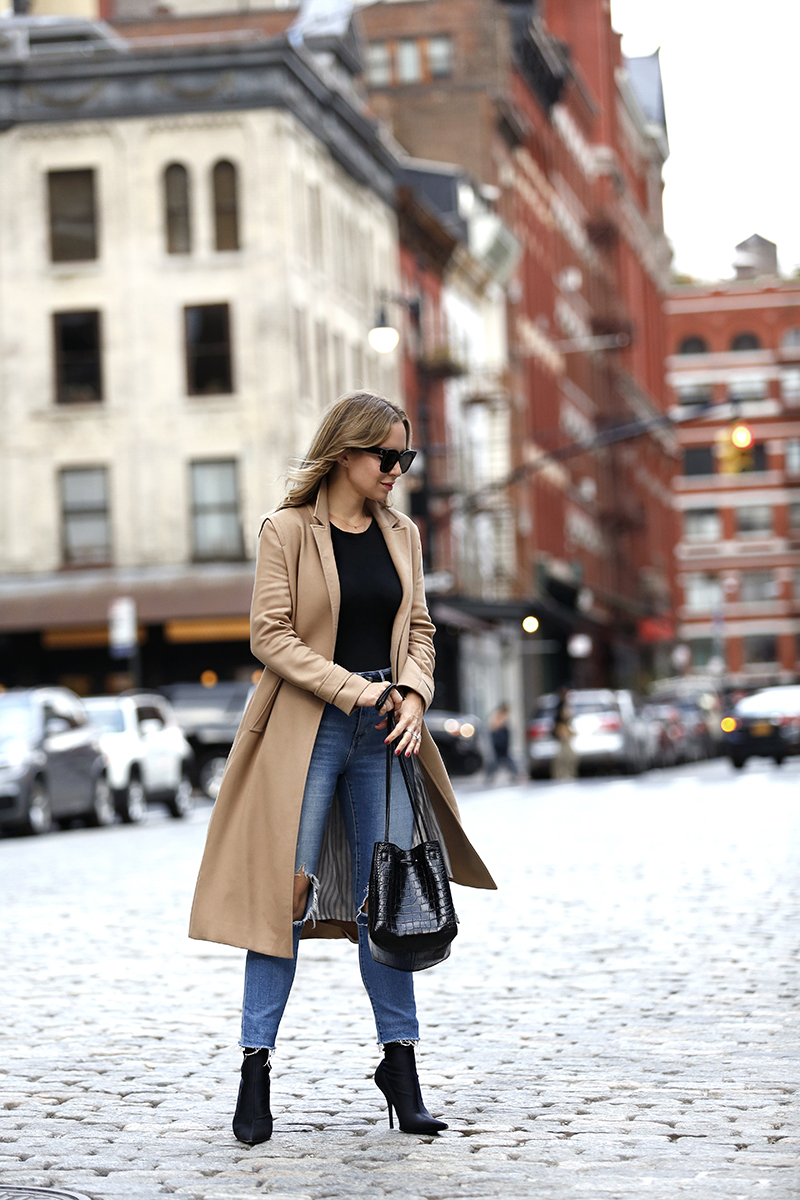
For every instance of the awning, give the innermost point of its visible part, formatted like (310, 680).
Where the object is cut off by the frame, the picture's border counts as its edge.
(32, 603)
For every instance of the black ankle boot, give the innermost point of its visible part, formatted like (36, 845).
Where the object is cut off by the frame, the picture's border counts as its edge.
(252, 1121)
(397, 1078)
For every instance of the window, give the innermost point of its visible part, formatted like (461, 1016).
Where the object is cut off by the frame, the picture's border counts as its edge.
(760, 648)
(216, 529)
(379, 65)
(792, 456)
(440, 56)
(226, 206)
(793, 514)
(300, 339)
(339, 374)
(358, 366)
(702, 651)
(758, 461)
(754, 519)
(745, 341)
(749, 387)
(698, 460)
(693, 345)
(73, 219)
(323, 376)
(316, 248)
(85, 523)
(208, 349)
(790, 383)
(408, 61)
(76, 337)
(790, 342)
(693, 393)
(703, 592)
(177, 209)
(702, 525)
(757, 586)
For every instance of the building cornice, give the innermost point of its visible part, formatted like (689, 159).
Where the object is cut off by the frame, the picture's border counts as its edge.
(176, 80)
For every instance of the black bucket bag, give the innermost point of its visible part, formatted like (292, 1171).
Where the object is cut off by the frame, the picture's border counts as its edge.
(412, 920)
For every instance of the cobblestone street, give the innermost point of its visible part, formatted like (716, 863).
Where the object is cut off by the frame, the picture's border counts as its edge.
(619, 1020)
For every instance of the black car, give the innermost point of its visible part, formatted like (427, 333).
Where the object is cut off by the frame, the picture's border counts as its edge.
(209, 718)
(766, 724)
(51, 766)
(458, 737)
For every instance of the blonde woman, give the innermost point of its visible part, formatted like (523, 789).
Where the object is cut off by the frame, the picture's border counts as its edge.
(338, 615)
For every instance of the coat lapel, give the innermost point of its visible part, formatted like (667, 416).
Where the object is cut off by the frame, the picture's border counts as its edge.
(321, 529)
(398, 539)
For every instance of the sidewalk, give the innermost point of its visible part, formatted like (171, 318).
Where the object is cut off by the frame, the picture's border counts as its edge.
(619, 1020)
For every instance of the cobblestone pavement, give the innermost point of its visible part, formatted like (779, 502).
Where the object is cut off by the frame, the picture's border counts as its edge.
(620, 1020)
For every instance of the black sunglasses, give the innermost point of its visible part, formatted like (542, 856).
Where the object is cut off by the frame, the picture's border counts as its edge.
(390, 458)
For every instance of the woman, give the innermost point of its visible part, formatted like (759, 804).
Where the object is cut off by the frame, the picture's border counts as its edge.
(338, 614)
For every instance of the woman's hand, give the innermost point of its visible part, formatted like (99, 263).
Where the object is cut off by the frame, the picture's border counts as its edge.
(373, 692)
(407, 733)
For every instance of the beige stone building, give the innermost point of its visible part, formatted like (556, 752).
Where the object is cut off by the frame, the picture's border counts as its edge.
(193, 239)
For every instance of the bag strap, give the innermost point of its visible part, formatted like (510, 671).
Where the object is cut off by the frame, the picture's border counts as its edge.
(407, 771)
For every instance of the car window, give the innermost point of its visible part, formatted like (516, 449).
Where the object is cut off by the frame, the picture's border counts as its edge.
(107, 717)
(17, 718)
(148, 712)
(583, 705)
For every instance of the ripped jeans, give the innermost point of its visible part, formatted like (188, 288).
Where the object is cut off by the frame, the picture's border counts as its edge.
(349, 757)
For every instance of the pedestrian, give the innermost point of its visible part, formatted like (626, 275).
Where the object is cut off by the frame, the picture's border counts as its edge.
(338, 614)
(500, 736)
(565, 761)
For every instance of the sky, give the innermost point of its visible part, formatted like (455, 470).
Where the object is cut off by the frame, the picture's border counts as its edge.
(732, 100)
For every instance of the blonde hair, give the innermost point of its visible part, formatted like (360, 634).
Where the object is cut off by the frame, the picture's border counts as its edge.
(356, 421)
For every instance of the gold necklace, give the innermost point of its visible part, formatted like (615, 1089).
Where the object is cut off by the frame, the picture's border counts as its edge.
(356, 529)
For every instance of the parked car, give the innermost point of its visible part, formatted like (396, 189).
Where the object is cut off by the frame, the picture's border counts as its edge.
(667, 733)
(602, 735)
(51, 765)
(148, 758)
(459, 738)
(209, 718)
(766, 724)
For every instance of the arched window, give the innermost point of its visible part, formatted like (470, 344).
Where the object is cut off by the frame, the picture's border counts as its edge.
(693, 345)
(176, 209)
(791, 340)
(745, 341)
(226, 208)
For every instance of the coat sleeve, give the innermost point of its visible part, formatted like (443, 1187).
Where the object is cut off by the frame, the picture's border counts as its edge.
(417, 673)
(274, 640)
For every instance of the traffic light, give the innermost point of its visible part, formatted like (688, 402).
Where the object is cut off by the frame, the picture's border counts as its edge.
(735, 449)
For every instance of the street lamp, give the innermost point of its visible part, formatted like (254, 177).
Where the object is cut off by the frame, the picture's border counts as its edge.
(383, 337)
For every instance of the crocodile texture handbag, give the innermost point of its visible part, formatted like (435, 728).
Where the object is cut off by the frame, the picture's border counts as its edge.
(411, 918)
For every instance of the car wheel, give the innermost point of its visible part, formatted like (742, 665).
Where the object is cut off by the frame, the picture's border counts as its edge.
(102, 811)
(131, 802)
(182, 803)
(210, 775)
(39, 817)
(738, 762)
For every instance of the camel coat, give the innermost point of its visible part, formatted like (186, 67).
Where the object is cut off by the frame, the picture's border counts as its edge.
(244, 889)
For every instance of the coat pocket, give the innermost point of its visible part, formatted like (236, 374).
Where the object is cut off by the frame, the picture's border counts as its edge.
(261, 705)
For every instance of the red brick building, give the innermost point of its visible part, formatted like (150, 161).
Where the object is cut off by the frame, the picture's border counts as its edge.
(737, 345)
(568, 140)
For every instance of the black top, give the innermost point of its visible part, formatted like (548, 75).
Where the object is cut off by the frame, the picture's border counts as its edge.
(371, 593)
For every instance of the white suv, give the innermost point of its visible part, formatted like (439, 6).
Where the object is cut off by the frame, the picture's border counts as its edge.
(148, 757)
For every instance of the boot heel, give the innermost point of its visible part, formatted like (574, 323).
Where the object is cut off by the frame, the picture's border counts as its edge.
(391, 1122)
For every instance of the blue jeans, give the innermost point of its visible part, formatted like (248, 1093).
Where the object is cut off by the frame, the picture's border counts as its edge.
(349, 758)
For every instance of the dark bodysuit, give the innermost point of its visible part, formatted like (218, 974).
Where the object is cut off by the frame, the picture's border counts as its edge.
(371, 593)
